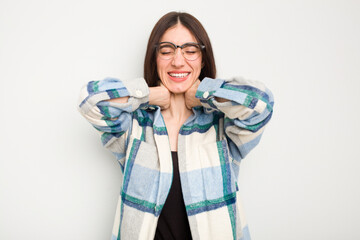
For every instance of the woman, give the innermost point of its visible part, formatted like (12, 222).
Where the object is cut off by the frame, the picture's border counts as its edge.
(179, 136)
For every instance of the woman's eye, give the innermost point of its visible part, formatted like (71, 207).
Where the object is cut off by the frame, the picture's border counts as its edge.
(190, 52)
(165, 53)
(191, 49)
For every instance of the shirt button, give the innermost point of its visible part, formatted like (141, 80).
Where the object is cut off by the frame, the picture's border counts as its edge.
(138, 93)
(205, 94)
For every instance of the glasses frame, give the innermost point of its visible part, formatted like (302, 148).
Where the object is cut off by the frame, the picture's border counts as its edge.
(201, 47)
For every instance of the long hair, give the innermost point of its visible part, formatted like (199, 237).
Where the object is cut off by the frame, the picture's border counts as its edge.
(195, 27)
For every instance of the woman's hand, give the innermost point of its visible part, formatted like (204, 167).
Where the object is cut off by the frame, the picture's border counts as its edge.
(190, 99)
(159, 96)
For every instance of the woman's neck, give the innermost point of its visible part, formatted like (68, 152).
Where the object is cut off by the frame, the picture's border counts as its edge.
(174, 117)
(177, 109)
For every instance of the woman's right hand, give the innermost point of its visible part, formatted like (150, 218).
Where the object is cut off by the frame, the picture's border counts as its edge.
(159, 96)
(190, 99)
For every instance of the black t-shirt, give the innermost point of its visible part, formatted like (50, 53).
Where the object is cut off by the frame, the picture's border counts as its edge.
(173, 222)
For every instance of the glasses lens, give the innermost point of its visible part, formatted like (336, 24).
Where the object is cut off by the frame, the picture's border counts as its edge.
(166, 51)
(191, 51)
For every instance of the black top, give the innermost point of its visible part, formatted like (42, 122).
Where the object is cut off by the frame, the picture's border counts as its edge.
(173, 223)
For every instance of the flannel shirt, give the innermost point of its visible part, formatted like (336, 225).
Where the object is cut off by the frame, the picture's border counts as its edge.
(211, 144)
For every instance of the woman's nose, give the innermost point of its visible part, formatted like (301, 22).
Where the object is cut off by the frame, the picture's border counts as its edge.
(178, 59)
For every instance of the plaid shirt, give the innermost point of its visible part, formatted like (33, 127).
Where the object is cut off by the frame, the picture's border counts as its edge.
(211, 144)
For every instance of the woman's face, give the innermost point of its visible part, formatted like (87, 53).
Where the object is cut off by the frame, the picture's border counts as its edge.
(178, 74)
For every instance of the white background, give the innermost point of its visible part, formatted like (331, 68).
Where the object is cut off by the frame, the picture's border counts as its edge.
(301, 182)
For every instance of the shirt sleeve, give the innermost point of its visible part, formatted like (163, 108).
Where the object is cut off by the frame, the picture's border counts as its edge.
(248, 109)
(113, 120)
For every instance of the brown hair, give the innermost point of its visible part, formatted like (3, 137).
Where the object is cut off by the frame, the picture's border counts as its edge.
(195, 27)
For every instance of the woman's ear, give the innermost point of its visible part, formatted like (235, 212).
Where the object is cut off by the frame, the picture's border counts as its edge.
(202, 65)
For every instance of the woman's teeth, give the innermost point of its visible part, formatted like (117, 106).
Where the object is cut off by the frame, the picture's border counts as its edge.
(179, 75)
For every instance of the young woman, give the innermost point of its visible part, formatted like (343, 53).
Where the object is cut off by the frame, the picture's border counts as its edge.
(179, 135)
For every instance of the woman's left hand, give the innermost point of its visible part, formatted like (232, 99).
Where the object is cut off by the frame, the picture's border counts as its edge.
(190, 99)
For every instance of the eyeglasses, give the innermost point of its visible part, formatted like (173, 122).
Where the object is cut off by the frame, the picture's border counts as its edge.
(191, 51)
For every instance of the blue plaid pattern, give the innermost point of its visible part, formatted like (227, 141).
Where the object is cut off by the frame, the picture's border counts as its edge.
(211, 145)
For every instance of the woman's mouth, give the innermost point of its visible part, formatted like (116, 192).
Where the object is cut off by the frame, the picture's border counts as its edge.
(178, 76)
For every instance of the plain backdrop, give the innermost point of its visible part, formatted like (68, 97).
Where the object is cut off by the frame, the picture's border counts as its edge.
(301, 182)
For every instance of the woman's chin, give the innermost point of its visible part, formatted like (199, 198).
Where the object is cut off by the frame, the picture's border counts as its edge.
(178, 90)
